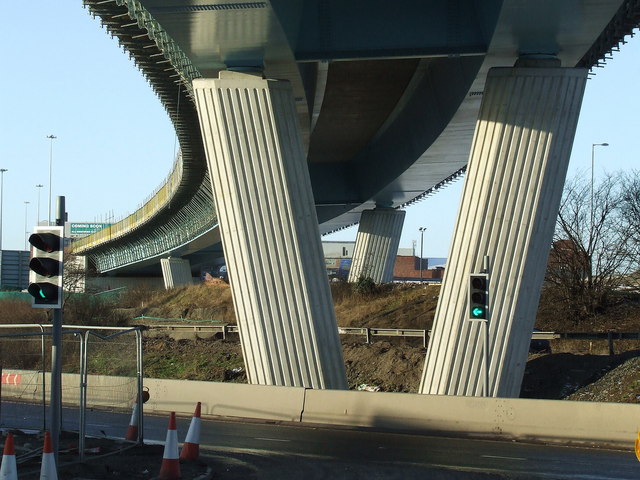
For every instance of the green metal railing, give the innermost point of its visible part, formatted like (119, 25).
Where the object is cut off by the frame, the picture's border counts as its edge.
(151, 207)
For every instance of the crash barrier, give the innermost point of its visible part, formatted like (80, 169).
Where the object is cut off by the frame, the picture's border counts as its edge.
(555, 421)
(86, 349)
(190, 332)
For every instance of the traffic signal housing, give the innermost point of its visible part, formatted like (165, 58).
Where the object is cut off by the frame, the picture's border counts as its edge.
(478, 296)
(46, 267)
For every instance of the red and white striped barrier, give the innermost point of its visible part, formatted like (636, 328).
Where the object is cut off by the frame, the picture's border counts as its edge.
(11, 379)
(191, 447)
(170, 469)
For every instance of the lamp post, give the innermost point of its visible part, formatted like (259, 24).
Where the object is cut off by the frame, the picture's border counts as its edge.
(26, 207)
(593, 154)
(2, 170)
(421, 229)
(51, 139)
(39, 187)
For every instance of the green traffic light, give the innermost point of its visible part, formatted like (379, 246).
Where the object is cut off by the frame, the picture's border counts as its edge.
(44, 293)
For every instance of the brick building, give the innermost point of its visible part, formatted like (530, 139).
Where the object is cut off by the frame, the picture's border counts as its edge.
(407, 268)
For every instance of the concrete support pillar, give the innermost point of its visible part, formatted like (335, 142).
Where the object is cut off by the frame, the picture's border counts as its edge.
(176, 272)
(270, 232)
(376, 247)
(509, 206)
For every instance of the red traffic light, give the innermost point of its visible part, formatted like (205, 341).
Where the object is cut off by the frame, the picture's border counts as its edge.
(478, 282)
(47, 242)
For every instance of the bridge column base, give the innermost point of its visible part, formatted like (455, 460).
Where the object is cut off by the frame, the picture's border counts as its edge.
(176, 272)
(509, 206)
(269, 228)
(377, 245)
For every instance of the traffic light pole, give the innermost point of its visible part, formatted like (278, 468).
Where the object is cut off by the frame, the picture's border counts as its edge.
(56, 357)
(56, 380)
(486, 268)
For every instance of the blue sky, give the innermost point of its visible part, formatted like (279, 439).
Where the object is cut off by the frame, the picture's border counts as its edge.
(64, 75)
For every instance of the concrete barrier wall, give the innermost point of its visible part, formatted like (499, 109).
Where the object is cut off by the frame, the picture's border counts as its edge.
(560, 421)
(103, 391)
(226, 399)
(588, 423)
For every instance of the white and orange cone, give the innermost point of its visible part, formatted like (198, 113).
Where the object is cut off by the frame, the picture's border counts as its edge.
(8, 469)
(191, 447)
(170, 469)
(48, 468)
(132, 429)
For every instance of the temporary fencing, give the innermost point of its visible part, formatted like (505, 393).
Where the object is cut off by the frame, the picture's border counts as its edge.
(89, 354)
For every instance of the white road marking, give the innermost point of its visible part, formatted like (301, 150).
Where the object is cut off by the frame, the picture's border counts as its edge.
(504, 458)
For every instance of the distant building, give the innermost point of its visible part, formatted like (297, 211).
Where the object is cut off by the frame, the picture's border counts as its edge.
(338, 255)
(14, 269)
(407, 269)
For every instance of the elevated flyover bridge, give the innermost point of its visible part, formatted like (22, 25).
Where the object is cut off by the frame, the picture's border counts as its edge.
(300, 117)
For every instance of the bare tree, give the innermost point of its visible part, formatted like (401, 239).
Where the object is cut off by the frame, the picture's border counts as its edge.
(590, 257)
(630, 211)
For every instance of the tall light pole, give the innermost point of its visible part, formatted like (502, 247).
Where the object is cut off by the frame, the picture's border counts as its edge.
(593, 156)
(26, 209)
(2, 170)
(421, 229)
(39, 187)
(51, 139)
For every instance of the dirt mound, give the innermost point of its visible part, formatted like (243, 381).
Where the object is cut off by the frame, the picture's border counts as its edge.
(622, 384)
(389, 366)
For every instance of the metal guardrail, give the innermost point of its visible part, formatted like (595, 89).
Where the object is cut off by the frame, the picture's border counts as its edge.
(370, 332)
(223, 329)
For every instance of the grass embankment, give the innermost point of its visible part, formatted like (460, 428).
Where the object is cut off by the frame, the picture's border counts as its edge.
(399, 306)
(391, 364)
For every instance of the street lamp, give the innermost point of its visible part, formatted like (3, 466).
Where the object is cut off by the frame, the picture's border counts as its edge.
(2, 170)
(51, 139)
(26, 205)
(593, 151)
(39, 187)
(421, 229)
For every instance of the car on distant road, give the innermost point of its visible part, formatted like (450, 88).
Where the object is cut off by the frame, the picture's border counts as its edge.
(222, 273)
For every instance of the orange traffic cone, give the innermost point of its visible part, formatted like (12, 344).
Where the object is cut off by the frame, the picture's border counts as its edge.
(132, 429)
(170, 469)
(8, 469)
(48, 468)
(191, 447)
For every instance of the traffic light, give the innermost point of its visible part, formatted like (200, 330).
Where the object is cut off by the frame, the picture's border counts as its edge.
(46, 267)
(478, 296)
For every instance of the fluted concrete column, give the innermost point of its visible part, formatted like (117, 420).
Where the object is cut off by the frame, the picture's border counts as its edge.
(176, 272)
(376, 247)
(509, 206)
(270, 232)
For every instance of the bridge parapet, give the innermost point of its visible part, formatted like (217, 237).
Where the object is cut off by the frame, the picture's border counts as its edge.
(151, 207)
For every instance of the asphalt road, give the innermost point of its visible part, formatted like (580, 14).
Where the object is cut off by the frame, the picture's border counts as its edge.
(271, 450)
